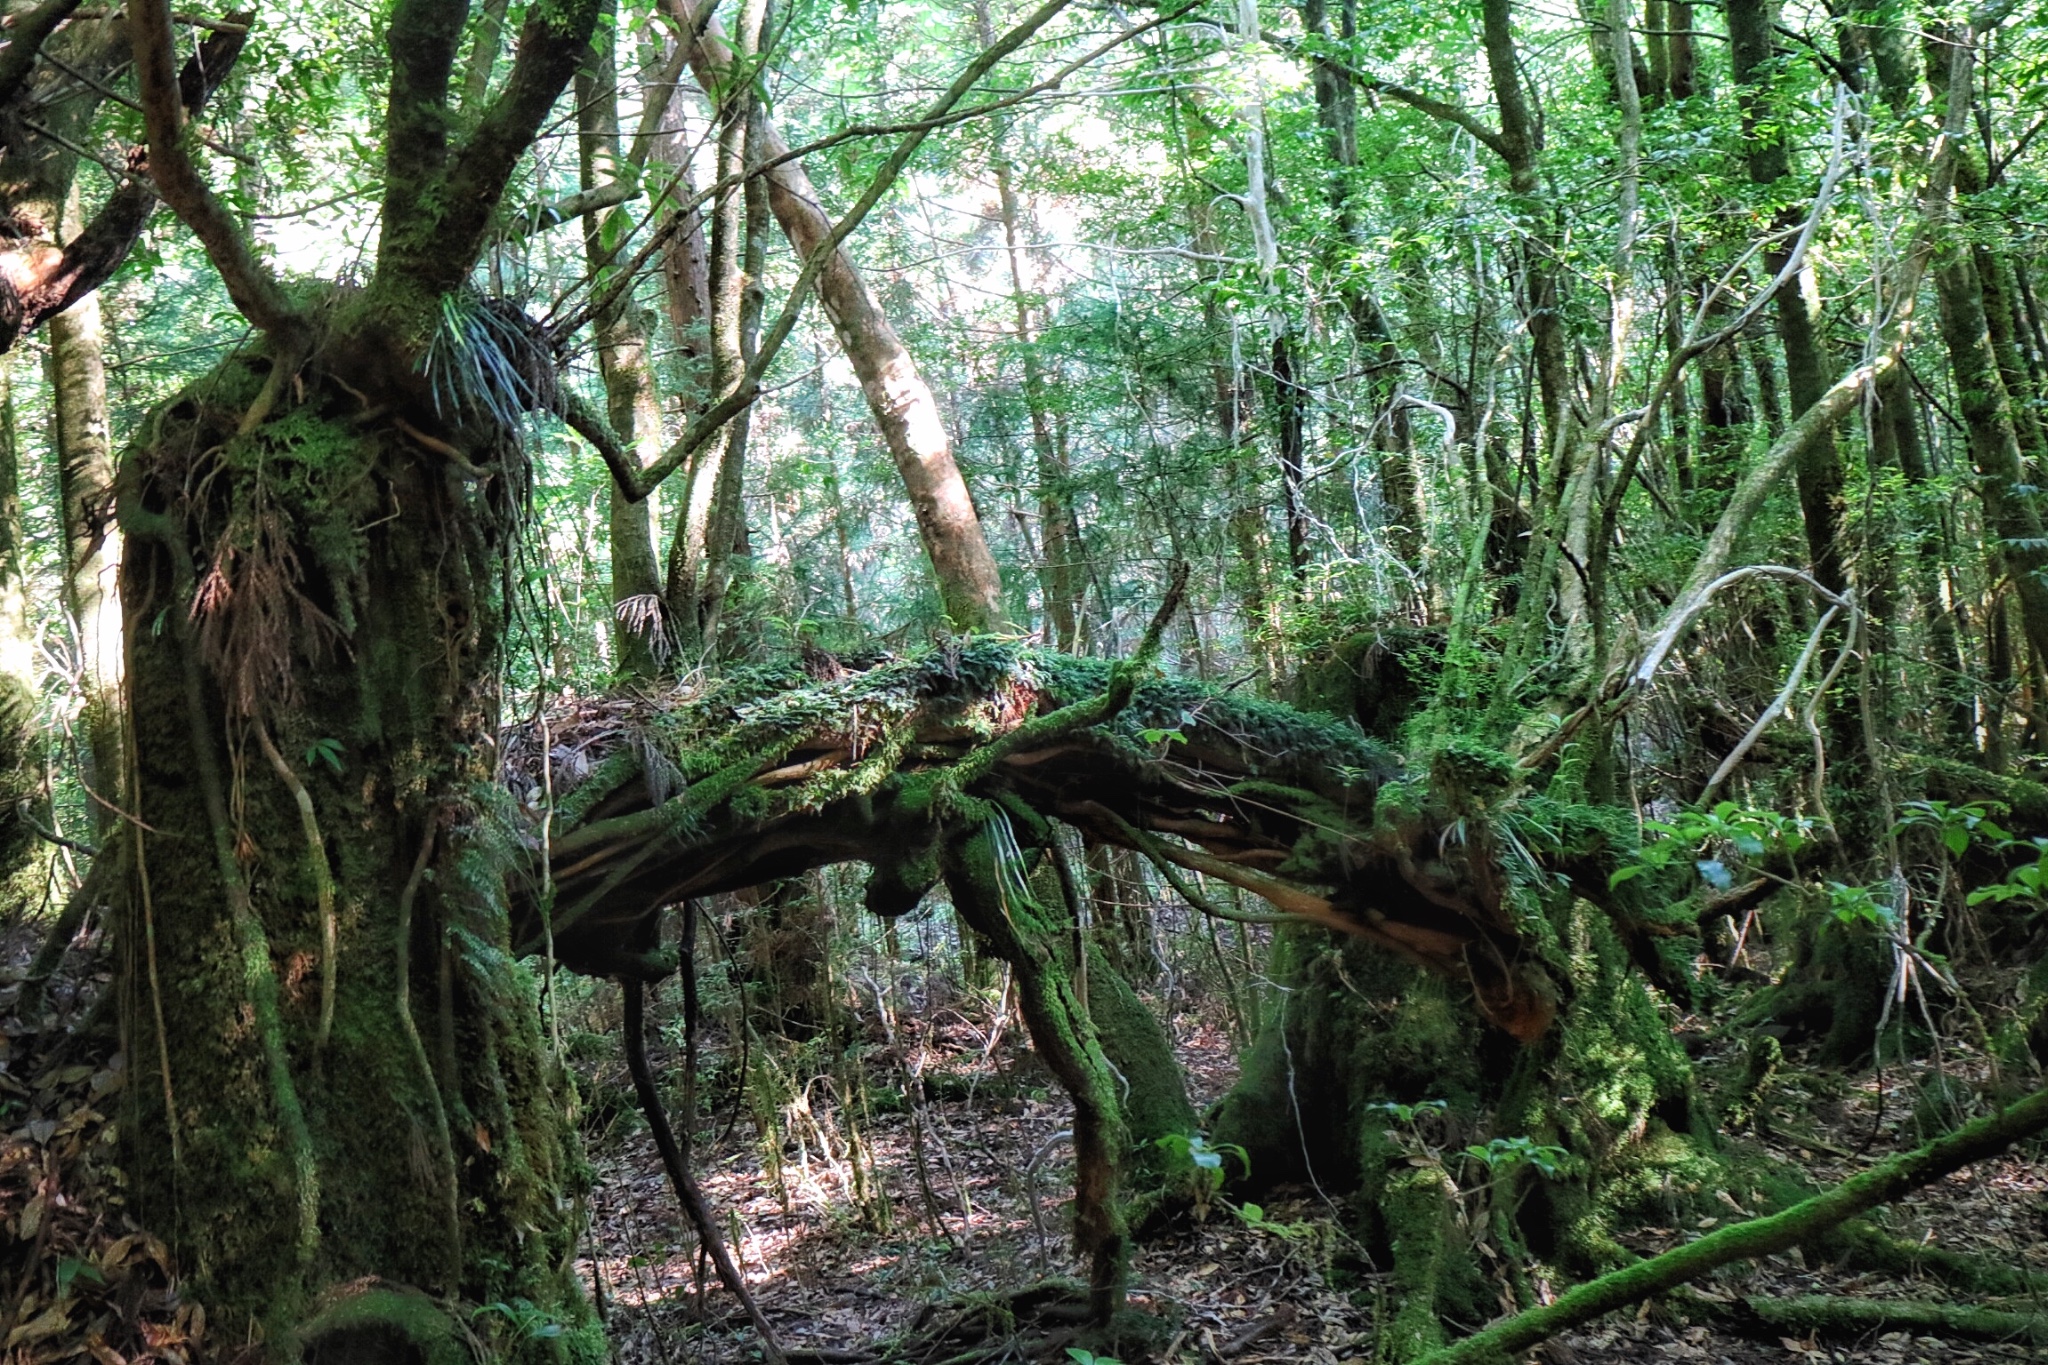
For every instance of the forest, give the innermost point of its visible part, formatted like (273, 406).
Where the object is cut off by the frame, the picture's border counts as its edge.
(1092, 682)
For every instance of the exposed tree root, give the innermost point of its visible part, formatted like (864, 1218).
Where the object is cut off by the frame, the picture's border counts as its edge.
(1760, 1237)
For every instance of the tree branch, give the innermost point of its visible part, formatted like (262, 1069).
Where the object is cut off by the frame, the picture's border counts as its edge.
(18, 58)
(422, 40)
(551, 45)
(1414, 99)
(165, 104)
(47, 280)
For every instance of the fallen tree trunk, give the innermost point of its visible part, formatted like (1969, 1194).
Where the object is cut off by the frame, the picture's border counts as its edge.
(765, 775)
(1802, 1222)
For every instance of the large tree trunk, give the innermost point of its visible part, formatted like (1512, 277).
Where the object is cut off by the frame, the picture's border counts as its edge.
(343, 1119)
(340, 1072)
(970, 587)
(92, 548)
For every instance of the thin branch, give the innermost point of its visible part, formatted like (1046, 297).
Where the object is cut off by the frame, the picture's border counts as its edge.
(680, 1177)
(232, 24)
(1779, 705)
(571, 207)
(1443, 110)
(48, 835)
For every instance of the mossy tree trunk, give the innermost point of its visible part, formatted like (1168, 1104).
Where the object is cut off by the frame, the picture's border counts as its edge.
(1374, 1077)
(92, 549)
(341, 1081)
(990, 897)
(24, 863)
(342, 1072)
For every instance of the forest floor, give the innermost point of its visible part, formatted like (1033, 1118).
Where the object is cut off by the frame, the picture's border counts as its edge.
(854, 1258)
(852, 1254)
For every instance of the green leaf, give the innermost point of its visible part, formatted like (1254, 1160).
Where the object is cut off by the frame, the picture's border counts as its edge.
(1716, 873)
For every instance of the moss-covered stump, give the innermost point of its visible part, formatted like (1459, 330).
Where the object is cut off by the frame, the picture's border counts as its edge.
(1380, 1080)
(338, 1070)
(1832, 987)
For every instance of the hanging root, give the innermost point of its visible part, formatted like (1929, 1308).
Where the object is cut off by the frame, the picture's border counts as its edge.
(679, 1176)
(444, 1140)
(323, 883)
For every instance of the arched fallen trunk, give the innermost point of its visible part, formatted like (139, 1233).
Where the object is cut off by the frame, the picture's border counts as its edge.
(767, 774)
(958, 766)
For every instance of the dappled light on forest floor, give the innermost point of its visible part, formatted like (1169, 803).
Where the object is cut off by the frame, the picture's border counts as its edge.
(849, 1267)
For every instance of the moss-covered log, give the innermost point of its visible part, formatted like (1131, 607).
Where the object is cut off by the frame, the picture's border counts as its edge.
(769, 772)
(1463, 901)
(1834, 1315)
(1802, 1222)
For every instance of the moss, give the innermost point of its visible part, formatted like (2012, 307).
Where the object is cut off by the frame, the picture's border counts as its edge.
(1832, 986)
(378, 634)
(1151, 1085)
(992, 897)
(1334, 1089)
(366, 1323)
(1417, 1202)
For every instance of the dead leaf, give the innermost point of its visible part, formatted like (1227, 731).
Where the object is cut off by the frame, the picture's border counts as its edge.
(49, 1323)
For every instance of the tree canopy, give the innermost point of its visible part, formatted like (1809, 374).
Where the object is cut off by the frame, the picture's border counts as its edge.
(1490, 556)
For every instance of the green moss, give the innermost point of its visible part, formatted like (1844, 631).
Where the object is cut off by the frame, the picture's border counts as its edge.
(356, 1322)
(1416, 1201)
(363, 579)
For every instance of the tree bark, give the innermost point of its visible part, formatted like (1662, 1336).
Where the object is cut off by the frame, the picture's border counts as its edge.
(1062, 555)
(317, 568)
(906, 413)
(639, 633)
(1753, 46)
(92, 546)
